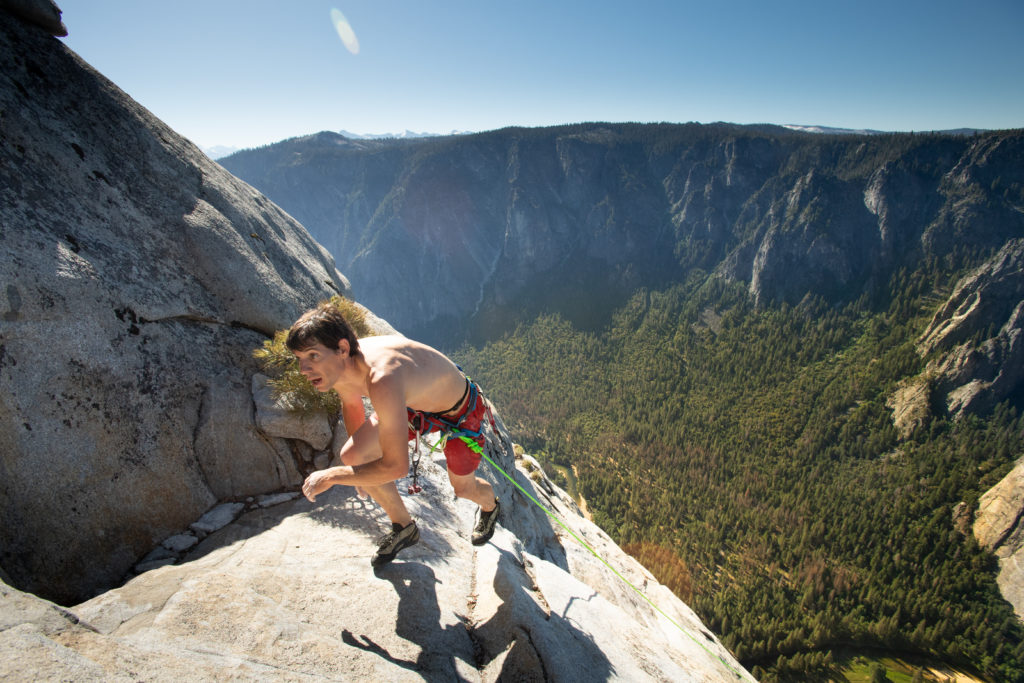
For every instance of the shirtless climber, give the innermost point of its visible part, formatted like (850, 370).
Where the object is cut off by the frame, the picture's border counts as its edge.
(414, 389)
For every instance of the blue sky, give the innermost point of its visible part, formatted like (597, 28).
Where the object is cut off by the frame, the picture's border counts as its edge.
(241, 74)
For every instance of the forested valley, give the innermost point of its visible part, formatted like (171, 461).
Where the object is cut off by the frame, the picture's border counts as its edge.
(746, 455)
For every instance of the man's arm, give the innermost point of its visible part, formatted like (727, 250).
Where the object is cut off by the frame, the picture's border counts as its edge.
(388, 397)
(387, 394)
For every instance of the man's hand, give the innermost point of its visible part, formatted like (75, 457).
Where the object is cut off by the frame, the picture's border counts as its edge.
(316, 483)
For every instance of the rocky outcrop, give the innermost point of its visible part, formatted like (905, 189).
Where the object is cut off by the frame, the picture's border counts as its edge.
(42, 13)
(976, 338)
(975, 346)
(287, 593)
(999, 526)
(911, 405)
(136, 278)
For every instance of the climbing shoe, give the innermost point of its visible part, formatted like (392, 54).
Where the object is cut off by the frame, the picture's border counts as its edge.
(399, 537)
(485, 526)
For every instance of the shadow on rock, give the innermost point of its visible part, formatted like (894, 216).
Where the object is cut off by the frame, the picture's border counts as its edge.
(528, 641)
(341, 508)
(419, 621)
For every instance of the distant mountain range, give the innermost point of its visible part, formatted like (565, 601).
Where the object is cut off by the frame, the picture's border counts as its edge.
(867, 131)
(221, 151)
(402, 136)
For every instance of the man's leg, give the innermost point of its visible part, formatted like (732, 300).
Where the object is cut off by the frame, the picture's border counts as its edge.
(363, 447)
(472, 487)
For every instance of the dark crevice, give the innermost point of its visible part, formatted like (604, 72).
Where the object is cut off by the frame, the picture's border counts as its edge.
(239, 325)
(195, 440)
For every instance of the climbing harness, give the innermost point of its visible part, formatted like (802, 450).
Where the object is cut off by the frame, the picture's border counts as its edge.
(422, 423)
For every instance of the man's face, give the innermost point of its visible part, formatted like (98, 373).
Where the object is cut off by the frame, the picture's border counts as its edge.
(321, 365)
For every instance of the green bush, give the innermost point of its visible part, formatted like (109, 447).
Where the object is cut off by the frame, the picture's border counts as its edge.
(289, 385)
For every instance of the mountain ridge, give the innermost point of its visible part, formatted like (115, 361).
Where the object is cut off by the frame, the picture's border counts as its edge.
(618, 206)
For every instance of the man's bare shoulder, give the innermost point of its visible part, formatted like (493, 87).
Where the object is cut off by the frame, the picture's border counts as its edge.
(387, 352)
(425, 376)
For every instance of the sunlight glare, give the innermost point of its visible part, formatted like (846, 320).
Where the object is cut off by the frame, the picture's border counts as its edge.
(345, 32)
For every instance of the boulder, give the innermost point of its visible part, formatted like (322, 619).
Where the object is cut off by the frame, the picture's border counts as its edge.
(136, 278)
(275, 418)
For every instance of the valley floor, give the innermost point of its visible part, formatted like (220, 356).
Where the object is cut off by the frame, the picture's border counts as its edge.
(856, 667)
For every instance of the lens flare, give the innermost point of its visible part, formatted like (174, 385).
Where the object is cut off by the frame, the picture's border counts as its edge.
(345, 32)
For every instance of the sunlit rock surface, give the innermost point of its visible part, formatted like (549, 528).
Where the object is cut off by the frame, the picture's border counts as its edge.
(287, 593)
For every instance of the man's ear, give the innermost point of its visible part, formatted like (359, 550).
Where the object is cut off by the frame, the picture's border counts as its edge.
(344, 348)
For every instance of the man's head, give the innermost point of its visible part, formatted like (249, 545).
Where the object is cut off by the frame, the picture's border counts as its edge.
(324, 324)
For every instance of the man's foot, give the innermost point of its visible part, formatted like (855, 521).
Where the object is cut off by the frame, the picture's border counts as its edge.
(485, 526)
(399, 537)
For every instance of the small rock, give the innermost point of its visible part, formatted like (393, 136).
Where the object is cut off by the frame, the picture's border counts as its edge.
(272, 499)
(158, 553)
(217, 518)
(180, 542)
(143, 567)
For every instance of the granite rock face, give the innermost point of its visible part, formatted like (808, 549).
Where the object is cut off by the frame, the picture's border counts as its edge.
(136, 278)
(42, 13)
(287, 593)
(977, 337)
(998, 526)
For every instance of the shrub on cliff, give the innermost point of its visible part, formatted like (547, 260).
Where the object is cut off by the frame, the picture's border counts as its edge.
(290, 385)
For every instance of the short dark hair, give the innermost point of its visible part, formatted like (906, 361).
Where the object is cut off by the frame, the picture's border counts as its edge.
(324, 324)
